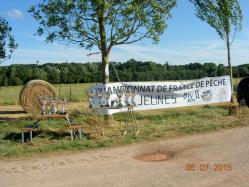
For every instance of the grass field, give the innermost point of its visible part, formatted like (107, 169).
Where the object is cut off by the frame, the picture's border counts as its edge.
(9, 95)
(53, 135)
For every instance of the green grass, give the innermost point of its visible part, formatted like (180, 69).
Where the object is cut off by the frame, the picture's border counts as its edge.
(53, 136)
(9, 95)
(78, 91)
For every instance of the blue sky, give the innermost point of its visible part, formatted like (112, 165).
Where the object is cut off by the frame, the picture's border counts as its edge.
(186, 39)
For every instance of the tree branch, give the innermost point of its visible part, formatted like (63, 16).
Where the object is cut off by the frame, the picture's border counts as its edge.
(235, 31)
(124, 42)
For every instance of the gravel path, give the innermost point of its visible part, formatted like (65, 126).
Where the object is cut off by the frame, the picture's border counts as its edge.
(226, 152)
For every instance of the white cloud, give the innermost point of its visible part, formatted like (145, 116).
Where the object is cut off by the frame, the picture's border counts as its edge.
(53, 53)
(183, 53)
(15, 14)
(186, 52)
(175, 54)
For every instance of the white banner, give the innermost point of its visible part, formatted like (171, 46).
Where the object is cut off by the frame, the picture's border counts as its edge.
(117, 97)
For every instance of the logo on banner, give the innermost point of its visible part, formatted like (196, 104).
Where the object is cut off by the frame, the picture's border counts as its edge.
(206, 95)
(222, 94)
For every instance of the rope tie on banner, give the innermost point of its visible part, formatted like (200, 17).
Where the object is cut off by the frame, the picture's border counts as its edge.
(116, 73)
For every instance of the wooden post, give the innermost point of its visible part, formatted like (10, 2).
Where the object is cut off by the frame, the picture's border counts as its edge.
(80, 132)
(22, 137)
(70, 92)
(60, 90)
(30, 134)
(71, 131)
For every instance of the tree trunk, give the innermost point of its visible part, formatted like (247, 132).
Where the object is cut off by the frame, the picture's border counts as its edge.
(105, 68)
(105, 80)
(104, 52)
(230, 66)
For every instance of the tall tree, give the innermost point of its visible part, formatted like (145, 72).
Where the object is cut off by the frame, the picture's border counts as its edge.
(225, 16)
(7, 41)
(102, 23)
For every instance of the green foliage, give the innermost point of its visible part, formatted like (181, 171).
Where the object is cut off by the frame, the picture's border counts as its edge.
(102, 23)
(7, 41)
(132, 70)
(125, 22)
(222, 15)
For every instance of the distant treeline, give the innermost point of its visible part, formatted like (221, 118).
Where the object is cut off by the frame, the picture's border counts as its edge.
(131, 70)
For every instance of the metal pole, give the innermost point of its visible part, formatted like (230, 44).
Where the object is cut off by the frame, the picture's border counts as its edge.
(38, 71)
(59, 82)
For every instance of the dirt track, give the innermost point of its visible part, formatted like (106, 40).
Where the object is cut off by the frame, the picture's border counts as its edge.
(117, 166)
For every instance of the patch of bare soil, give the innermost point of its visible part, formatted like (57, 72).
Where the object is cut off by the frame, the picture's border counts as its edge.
(158, 153)
(156, 156)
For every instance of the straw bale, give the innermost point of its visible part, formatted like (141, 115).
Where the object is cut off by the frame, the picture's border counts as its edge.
(31, 91)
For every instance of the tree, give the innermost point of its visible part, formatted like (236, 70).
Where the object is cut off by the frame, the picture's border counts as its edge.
(225, 16)
(243, 71)
(102, 23)
(53, 74)
(7, 41)
(221, 70)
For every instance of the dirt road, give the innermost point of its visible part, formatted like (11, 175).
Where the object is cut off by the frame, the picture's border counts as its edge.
(118, 167)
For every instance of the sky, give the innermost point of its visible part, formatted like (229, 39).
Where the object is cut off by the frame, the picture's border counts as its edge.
(185, 40)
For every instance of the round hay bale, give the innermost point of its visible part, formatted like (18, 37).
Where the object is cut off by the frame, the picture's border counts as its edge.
(31, 91)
